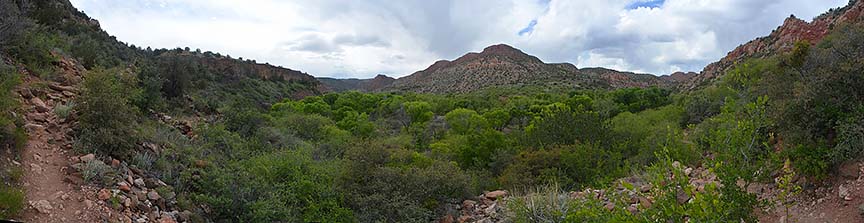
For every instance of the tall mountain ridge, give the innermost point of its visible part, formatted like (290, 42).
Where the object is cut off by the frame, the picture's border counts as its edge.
(504, 66)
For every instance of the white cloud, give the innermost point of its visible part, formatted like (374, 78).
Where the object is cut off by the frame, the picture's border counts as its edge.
(361, 38)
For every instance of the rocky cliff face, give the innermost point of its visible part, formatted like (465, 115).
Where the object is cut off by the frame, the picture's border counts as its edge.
(505, 66)
(783, 39)
(364, 85)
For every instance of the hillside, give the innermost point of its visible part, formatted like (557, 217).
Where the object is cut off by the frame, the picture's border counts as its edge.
(377, 83)
(782, 40)
(505, 66)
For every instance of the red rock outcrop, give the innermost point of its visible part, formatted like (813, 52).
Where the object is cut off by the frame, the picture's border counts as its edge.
(782, 39)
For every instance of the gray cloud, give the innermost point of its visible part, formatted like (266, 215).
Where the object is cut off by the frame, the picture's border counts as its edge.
(362, 38)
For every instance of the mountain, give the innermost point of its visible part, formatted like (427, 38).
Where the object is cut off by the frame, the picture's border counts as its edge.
(782, 40)
(504, 66)
(365, 85)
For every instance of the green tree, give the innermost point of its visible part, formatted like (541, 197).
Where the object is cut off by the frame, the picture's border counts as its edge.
(465, 121)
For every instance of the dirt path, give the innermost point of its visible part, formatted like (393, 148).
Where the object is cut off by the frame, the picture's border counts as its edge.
(53, 194)
(840, 200)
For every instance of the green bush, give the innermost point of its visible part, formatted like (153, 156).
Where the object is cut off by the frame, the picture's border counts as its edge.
(63, 111)
(383, 186)
(285, 186)
(11, 201)
(107, 118)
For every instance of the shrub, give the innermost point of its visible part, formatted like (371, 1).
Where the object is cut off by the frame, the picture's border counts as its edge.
(63, 111)
(107, 119)
(11, 201)
(546, 204)
(286, 186)
(97, 172)
(383, 186)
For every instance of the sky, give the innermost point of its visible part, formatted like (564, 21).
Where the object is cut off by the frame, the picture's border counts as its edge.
(362, 38)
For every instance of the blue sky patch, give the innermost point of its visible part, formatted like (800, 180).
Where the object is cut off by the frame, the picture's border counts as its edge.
(528, 29)
(646, 4)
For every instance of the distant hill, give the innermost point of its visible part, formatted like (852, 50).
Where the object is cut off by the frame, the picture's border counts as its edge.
(365, 85)
(505, 66)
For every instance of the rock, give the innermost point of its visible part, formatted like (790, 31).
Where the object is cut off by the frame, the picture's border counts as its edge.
(140, 183)
(115, 163)
(25, 93)
(468, 205)
(166, 219)
(142, 195)
(35, 167)
(445, 219)
(466, 218)
(87, 158)
(645, 202)
(609, 206)
(42, 206)
(123, 186)
(645, 188)
(39, 104)
(850, 170)
(88, 203)
(495, 194)
(143, 207)
(33, 128)
(152, 183)
(127, 202)
(103, 194)
(133, 201)
(843, 192)
(676, 164)
(682, 197)
(153, 196)
(632, 209)
(861, 209)
(688, 171)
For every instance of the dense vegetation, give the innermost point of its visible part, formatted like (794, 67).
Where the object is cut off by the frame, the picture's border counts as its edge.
(12, 139)
(254, 156)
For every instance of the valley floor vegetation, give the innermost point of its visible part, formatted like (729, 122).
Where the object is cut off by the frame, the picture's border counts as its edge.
(254, 156)
(400, 157)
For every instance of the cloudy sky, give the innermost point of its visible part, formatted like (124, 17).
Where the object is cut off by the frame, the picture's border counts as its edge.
(362, 38)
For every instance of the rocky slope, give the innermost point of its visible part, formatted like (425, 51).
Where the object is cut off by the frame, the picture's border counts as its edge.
(505, 66)
(782, 40)
(364, 85)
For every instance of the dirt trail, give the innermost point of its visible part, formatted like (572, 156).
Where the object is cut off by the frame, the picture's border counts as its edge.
(53, 194)
(840, 200)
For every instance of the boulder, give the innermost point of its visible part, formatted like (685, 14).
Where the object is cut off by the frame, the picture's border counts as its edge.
(87, 158)
(32, 128)
(844, 193)
(39, 104)
(103, 194)
(468, 205)
(153, 196)
(682, 197)
(140, 183)
(495, 194)
(123, 186)
(42, 206)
